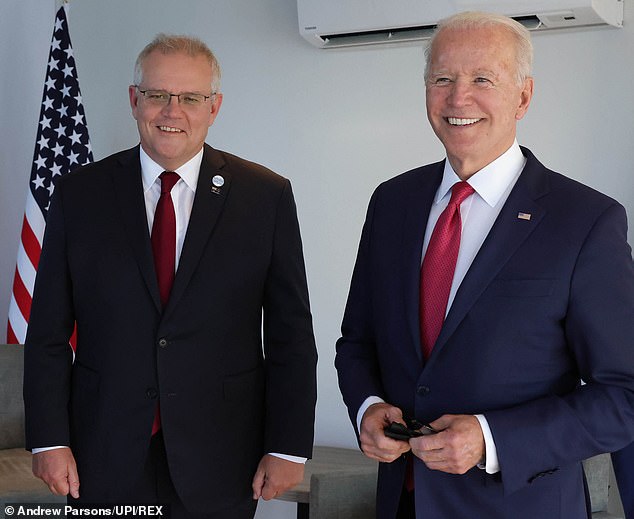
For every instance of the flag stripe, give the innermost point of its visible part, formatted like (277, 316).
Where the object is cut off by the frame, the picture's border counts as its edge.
(21, 295)
(17, 323)
(34, 215)
(26, 270)
(61, 145)
(11, 338)
(30, 244)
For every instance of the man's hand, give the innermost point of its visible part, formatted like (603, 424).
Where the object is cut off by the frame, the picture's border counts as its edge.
(275, 476)
(458, 447)
(374, 443)
(57, 468)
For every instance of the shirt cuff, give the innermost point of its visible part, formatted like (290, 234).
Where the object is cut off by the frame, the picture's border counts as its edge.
(491, 463)
(364, 407)
(44, 449)
(288, 457)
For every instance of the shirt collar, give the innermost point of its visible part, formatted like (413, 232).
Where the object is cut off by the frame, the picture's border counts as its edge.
(492, 181)
(188, 172)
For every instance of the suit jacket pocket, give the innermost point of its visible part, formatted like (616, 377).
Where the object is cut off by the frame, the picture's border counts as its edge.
(244, 386)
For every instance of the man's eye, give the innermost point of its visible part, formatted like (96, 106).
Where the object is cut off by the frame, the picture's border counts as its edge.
(441, 80)
(157, 96)
(482, 80)
(190, 99)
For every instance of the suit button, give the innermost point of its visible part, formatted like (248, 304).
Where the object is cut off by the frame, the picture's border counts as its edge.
(162, 342)
(422, 390)
(151, 393)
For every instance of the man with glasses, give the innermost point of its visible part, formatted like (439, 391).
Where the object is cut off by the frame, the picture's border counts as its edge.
(193, 382)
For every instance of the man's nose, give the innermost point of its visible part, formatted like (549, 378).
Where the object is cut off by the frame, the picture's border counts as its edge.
(173, 105)
(460, 93)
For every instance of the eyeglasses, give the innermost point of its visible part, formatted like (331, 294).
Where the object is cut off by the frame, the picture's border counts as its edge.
(162, 98)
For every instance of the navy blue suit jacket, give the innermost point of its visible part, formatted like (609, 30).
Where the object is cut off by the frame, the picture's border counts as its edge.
(547, 301)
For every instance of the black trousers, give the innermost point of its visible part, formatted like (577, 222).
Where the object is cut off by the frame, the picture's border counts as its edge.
(406, 509)
(155, 487)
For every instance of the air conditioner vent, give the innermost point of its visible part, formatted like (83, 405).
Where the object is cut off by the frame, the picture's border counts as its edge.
(399, 35)
(532, 23)
(343, 23)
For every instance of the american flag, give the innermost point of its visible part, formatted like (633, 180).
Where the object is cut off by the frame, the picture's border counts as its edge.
(62, 144)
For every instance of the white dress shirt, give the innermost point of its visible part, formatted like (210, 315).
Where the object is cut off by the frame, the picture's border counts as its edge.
(492, 185)
(182, 193)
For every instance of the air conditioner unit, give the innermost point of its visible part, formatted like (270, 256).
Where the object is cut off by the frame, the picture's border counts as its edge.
(344, 23)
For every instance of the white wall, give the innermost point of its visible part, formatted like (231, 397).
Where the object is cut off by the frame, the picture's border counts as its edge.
(25, 35)
(335, 122)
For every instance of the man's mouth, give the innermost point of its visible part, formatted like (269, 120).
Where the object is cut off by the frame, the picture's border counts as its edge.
(170, 129)
(456, 121)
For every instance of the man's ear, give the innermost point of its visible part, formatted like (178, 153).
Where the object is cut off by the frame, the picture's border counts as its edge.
(134, 99)
(525, 98)
(215, 108)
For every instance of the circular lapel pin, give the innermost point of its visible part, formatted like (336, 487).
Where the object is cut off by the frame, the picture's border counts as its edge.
(216, 183)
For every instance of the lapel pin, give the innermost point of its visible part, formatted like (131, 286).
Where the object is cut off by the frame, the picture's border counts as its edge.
(216, 183)
(524, 216)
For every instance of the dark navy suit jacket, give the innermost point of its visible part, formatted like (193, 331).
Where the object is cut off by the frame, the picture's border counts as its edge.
(228, 392)
(547, 301)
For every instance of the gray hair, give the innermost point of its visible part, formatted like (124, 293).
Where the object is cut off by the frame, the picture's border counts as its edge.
(479, 20)
(170, 44)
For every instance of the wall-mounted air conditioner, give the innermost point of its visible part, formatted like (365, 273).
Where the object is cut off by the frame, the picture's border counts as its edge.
(343, 23)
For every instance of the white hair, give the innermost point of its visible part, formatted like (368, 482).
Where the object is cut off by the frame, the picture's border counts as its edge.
(170, 44)
(477, 20)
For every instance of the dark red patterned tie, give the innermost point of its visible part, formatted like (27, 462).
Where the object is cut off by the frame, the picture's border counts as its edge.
(438, 267)
(164, 248)
(164, 236)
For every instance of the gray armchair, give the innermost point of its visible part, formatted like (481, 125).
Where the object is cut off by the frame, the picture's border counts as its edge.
(17, 483)
(598, 475)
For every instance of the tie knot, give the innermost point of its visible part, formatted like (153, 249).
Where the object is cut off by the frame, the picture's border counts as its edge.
(459, 192)
(168, 179)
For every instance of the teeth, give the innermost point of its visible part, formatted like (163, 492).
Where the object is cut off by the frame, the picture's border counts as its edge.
(461, 122)
(169, 129)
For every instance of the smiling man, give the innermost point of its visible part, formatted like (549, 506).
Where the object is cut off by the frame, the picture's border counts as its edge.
(486, 288)
(193, 383)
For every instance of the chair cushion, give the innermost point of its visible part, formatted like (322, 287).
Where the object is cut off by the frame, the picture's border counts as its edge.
(17, 482)
(11, 402)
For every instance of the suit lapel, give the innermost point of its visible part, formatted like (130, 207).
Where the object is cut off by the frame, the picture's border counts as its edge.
(208, 203)
(128, 188)
(508, 232)
(413, 231)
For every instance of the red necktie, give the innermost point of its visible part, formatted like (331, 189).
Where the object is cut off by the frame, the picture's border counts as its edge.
(437, 273)
(164, 248)
(164, 236)
(438, 267)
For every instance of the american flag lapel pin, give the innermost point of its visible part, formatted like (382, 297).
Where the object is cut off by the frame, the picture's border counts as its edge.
(523, 216)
